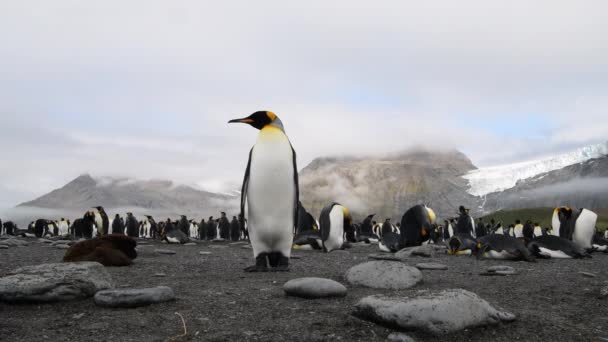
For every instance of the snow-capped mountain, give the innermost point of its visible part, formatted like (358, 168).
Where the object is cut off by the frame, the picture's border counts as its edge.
(486, 180)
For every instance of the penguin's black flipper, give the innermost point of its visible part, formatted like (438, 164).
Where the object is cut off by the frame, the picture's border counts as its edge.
(244, 190)
(297, 184)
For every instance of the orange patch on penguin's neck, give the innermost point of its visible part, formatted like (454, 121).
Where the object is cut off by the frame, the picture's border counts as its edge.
(271, 133)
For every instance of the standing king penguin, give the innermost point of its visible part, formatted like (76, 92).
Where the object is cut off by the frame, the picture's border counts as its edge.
(271, 190)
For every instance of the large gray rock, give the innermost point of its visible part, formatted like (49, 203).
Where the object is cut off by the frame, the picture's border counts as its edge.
(4, 247)
(54, 282)
(130, 298)
(436, 313)
(314, 288)
(384, 275)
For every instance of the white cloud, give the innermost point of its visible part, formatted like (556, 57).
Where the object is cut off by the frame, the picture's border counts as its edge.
(145, 88)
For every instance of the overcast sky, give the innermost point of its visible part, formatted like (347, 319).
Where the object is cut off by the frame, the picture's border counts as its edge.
(144, 88)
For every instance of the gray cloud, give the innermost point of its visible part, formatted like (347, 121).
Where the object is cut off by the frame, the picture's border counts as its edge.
(144, 88)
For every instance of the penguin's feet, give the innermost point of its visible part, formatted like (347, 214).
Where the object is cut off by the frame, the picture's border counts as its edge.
(282, 264)
(261, 264)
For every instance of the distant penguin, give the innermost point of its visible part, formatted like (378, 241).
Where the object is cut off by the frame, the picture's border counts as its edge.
(518, 230)
(538, 231)
(448, 230)
(31, 228)
(211, 231)
(575, 225)
(9, 227)
(193, 229)
(465, 224)
(174, 235)
(224, 227)
(184, 225)
(334, 219)
(84, 227)
(528, 230)
(101, 221)
(118, 225)
(64, 227)
(271, 191)
(132, 226)
(41, 227)
(499, 229)
(387, 227)
(416, 225)
(308, 240)
(502, 247)
(554, 247)
(367, 228)
(305, 220)
(390, 242)
(201, 229)
(235, 229)
(461, 244)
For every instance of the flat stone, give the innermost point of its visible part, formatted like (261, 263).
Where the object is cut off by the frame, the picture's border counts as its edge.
(54, 282)
(439, 313)
(426, 251)
(587, 274)
(14, 242)
(314, 288)
(45, 240)
(499, 270)
(399, 337)
(384, 275)
(431, 266)
(164, 251)
(384, 256)
(3, 247)
(160, 275)
(61, 246)
(131, 298)
(190, 244)
(218, 247)
(63, 242)
(204, 253)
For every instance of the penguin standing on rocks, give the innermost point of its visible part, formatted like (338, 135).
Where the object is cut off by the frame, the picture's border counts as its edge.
(132, 225)
(271, 191)
(118, 225)
(335, 219)
(101, 221)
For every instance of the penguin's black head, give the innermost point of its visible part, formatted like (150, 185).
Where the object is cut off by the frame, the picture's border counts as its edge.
(259, 119)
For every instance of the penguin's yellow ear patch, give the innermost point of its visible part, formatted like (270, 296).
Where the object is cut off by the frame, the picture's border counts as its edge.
(271, 116)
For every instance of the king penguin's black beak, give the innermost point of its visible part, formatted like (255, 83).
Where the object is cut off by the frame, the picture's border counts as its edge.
(244, 120)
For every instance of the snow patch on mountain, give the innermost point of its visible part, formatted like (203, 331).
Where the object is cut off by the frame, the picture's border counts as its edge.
(486, 180)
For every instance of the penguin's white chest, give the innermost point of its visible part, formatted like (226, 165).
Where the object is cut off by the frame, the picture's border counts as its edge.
(554, 254)
(335, 239)
(271, 193)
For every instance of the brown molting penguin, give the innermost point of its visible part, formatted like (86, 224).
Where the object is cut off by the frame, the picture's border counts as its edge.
(108, 250)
